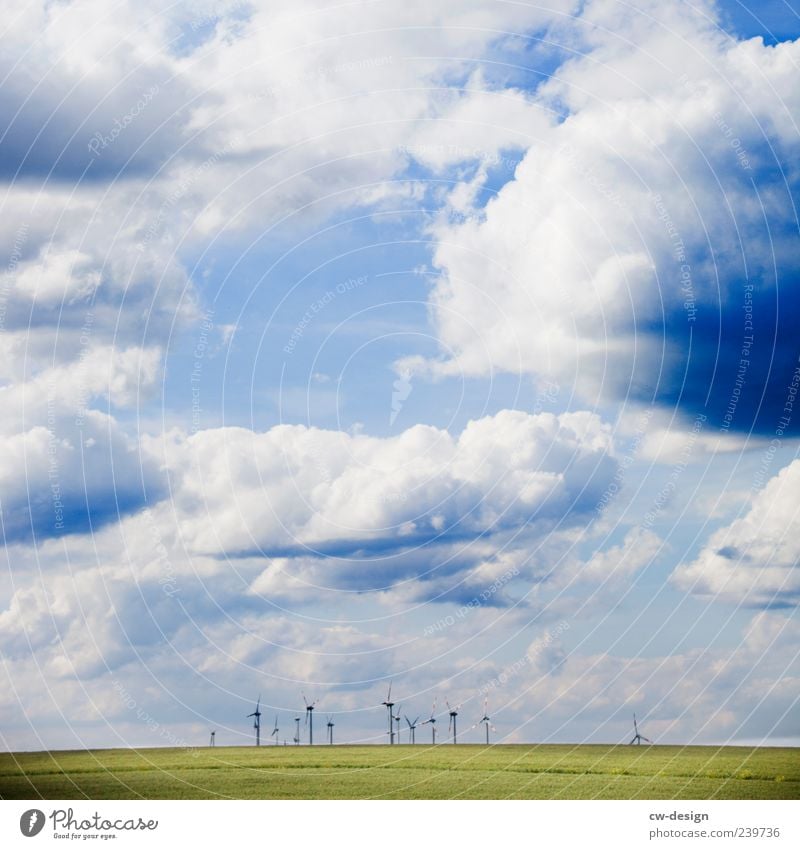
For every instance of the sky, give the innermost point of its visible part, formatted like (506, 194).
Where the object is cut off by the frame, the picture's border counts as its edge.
(448, 345)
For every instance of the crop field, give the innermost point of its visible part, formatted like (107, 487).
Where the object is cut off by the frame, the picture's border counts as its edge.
(406, 772)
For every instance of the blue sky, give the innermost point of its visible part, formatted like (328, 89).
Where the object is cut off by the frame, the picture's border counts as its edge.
(453, 348)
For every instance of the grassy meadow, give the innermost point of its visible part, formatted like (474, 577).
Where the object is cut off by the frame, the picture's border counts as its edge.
(406, 772)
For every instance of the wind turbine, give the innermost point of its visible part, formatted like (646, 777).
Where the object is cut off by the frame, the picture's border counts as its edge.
(453, 715)
(310, 719)
(411, 728)
(212, 741)
(485, 719)
(397, 720)
(275, 730)
(296, 738)
(330, 730)
(637, 737)
(389, 705)
(257, 721)
(432, 722)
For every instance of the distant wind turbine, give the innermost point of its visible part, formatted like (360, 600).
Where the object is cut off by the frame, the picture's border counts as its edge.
(257, 720)
(453, 715)
(637, 737)
(485, 719)
(310, 718)
(432, 723)
(389, 704)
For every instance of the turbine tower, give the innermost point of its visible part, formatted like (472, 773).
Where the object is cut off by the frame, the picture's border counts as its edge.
(637, 737)
(411, 728)
(452, 725)
(397, 720)
(275, 730)
(257, 720)
(330, 730)
(432, 723)
(389, 705)
(485, 719)
(212, 741)
(310, 718)
(296, 738)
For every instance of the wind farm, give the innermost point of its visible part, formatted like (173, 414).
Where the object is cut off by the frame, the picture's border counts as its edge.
(235, 765)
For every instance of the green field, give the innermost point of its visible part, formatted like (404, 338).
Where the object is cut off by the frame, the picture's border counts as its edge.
(406, 772)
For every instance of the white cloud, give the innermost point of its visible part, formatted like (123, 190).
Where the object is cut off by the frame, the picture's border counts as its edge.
(63, 463)
(634, 221)
(303, 488)
(754, 560)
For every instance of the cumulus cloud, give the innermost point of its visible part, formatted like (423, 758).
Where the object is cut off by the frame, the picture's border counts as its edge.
(299, 489)
(66, 466)
(635, 252)
(753, 561)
